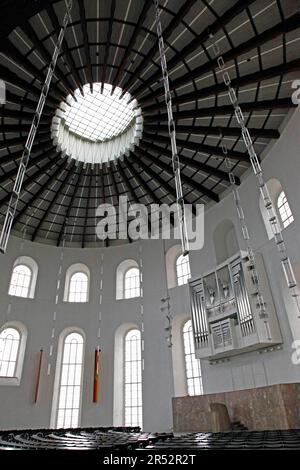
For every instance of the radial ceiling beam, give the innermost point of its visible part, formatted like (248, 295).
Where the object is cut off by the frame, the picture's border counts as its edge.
(30, 179)
(36, 147)
(114, 183)
(31, 34)
(17, 128)
(65, 47)
(256, 77)
(132, 41)
(129, 188)
(115, 186)
(283, 27)
(10, 77)
(132, 193)
(32, 162)
(108, 39)
(187, 181)
(142, 183)
(161, 183)
(210, 130)
(59, 169)
(43, 140)
(147, 190)
(11, 51)
(103, 198)
(126, 181)
(227, 110)
(27, 103)
(12, 157)
(23, 115)
(70, 206)
(102, 187)
(189, 162)
(183, 11)
(195, 147)
(86, 43)
(10, 143)
(18, 13)
(86, 211)
(57, 193)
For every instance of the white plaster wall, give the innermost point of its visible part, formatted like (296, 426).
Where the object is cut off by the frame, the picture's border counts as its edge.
(18, 410)
(250, 370)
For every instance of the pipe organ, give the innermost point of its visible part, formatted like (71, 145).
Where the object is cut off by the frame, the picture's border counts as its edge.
(225, 313)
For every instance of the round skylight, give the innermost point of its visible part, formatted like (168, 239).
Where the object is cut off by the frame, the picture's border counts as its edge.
(97, 126)
(99, 115)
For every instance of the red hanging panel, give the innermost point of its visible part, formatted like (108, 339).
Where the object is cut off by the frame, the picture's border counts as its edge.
(38, 377)
(96, 375)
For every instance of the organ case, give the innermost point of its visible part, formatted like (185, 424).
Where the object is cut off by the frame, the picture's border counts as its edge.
(225, 313)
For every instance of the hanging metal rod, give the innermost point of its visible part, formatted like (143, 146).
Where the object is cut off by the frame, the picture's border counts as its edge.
(257, 169)
(172, 133)
(14, 199)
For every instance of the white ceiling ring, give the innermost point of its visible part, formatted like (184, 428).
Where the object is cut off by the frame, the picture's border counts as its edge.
(97, 127)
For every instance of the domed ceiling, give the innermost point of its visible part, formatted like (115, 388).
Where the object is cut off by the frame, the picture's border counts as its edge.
(112, 44)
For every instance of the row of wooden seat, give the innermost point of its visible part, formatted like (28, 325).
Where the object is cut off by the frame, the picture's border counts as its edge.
(281, 439)
(79, 439)
(118, 439)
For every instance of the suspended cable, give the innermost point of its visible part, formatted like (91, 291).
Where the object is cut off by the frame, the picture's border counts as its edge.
(172, 133)
(260, 303)
(272, 216)
(14, 199)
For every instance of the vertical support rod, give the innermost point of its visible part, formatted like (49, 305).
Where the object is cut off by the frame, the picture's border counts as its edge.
(172, 133)
(257, 169)
(14, 199)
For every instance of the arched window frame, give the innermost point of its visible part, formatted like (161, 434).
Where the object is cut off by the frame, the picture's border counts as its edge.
(133, 387)
(74, 269)
(82, 294)
(284, 210)
(275, 190)
(178, 355)
(171, 256)
(119, 373)
(22, 330)
(182, 279)
(193, 375)
(33, 267)
(58, 371)
(136, 288)
(121, 271)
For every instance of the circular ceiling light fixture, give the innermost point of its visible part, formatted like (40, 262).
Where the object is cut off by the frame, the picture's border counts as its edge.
(97, 126)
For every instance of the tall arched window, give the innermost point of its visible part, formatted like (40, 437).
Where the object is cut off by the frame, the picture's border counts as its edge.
(280, 202)
(183, 270)
(9, 350)
(69, 397)
(284, 210)
(192, 365)
(20, 281)
(132, 283)
(78, 288)
(133, 379)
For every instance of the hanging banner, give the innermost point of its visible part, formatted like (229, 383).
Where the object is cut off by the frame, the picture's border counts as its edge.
(38, 377)
(96, 375)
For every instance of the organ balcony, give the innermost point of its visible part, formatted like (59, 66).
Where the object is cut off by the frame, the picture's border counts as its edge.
(225, 310)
